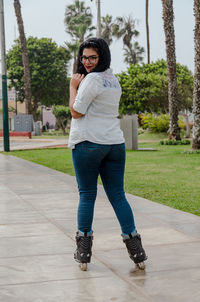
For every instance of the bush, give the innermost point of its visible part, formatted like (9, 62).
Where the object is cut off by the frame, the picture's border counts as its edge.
(181, 122)
(159, 123)
(173, 142)
(145, 88)
(192, 152)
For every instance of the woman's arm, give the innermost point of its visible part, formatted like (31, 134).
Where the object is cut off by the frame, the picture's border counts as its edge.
(74, 83)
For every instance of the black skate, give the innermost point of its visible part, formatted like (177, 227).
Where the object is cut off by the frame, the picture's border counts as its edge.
(83, 252)
(135, 249)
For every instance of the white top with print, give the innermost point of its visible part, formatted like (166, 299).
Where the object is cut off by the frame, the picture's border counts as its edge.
(98, 99)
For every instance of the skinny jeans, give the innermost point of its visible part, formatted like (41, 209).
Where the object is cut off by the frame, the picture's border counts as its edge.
(91, 160)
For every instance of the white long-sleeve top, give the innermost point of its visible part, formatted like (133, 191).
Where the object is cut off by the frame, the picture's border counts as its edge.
(98, 99)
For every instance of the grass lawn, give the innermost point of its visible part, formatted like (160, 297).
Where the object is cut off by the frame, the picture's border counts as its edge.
(167, 176)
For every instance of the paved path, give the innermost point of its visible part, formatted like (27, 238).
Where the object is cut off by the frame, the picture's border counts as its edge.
(26, 143)
(37, 228)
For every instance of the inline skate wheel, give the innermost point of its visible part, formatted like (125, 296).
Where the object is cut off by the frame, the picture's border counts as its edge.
(141, 265)
(83, 266)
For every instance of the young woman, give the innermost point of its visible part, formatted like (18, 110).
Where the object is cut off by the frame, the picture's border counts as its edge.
(98, 147)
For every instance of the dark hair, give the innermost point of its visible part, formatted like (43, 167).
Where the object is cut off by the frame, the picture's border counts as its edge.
(102, 48)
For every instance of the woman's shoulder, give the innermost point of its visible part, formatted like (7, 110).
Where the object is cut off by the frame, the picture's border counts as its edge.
(93, 77)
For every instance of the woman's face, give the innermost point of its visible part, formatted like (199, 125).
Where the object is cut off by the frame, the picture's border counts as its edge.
(89, 59)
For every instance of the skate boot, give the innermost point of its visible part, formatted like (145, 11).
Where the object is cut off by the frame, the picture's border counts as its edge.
(83, 252)
(135, 249)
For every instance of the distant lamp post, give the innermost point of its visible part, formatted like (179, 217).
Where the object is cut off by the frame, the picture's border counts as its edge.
(4, 81)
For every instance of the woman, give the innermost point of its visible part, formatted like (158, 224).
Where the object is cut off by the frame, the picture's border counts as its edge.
(98, 147)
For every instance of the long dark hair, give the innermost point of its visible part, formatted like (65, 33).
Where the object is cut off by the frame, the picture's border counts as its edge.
(102, 48)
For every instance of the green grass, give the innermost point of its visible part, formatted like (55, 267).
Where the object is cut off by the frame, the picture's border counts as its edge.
(58, 159)
(168, 175)
(150, 136)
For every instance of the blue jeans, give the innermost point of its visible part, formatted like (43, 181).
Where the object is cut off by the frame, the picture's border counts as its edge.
(91, 160)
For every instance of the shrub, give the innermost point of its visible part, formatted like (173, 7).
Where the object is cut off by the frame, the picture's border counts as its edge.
(155, 123)
(159, 123)
(181, 122)
(173, 142)
(192, 152)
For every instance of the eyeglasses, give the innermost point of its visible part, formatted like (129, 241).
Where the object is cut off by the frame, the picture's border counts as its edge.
(91, 59)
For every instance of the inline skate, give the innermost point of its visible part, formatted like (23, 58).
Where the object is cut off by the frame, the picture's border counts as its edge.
(135, 249)
(83, 252)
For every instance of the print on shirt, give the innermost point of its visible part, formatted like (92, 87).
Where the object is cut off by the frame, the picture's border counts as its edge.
(109, 81)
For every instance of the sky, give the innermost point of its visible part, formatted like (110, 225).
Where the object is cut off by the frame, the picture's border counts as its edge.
(45, 18)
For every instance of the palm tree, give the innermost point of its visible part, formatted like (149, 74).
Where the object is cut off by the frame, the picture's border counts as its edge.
(25, 59)
(107, 26)
(78, 20)
(168, 18)
(196, 94)
(147, 30)
(73, 48)
(133, 54)
(78, 23)
(124, 27)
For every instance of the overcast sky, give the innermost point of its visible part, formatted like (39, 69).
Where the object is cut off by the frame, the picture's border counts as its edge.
(45, 18)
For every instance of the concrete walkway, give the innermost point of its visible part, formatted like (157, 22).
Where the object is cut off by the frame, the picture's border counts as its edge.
(26, 143)
(37, 227)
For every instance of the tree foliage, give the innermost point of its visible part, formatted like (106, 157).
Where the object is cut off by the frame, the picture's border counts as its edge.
(145, 88)
(125, 28)
(62, 114)
(78, 24)
(48, 68)
(107, 29)
(78, 20)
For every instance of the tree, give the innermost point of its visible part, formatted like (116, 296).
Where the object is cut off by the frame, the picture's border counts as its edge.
(133, 54)
(124, 27)
(168, 18)
(196, 95)
(62, 114)
(25, 59)
(78, 24)
(145, 88)
(48, 68)
(147, 30)
(73, 48)
(107, 26)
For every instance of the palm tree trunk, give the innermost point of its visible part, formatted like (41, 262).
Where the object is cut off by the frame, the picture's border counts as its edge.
(196, 93)
(147, 31)
(75, 64)
(98, 19)
(27, 78)
(168, 18)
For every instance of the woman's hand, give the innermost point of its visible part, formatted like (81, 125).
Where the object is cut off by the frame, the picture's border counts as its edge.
(76, 80)
(74, 83)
